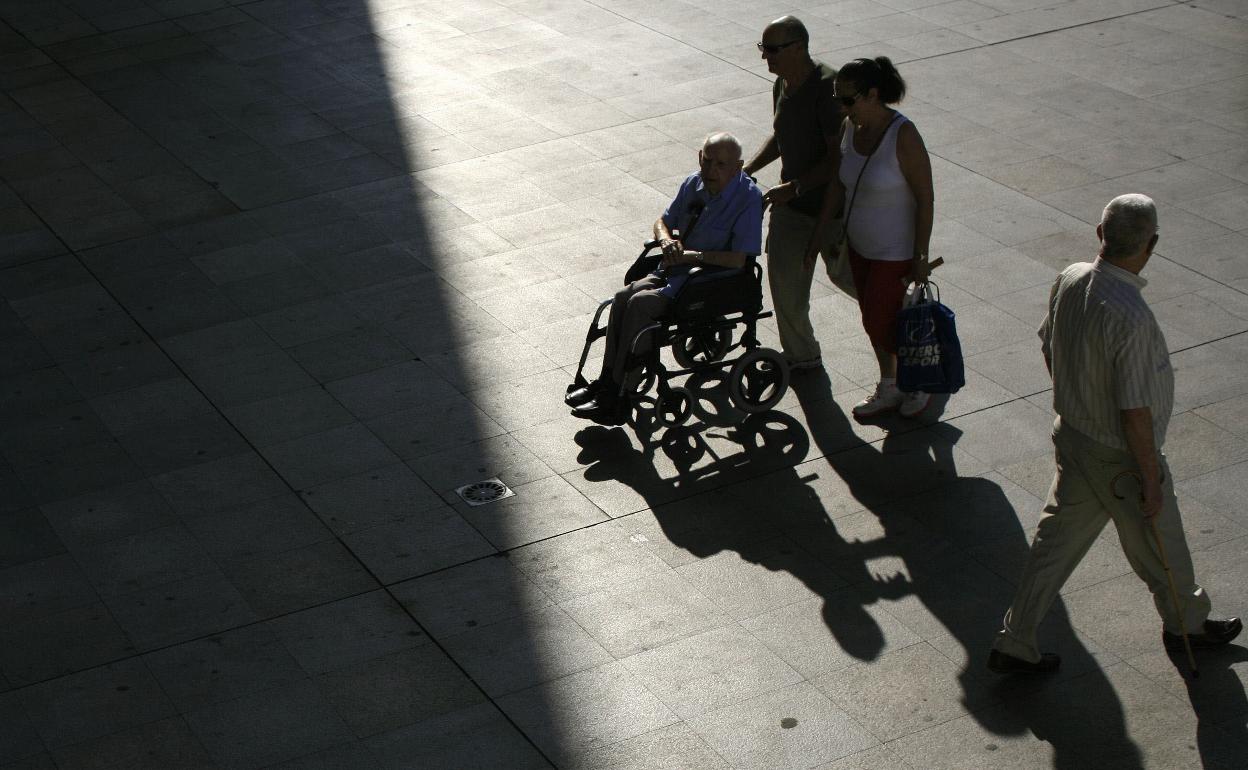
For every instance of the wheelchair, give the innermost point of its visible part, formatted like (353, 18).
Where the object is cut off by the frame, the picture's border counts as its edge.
(699, 328)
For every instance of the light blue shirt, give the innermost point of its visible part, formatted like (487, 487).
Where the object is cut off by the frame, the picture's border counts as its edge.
(731, 220)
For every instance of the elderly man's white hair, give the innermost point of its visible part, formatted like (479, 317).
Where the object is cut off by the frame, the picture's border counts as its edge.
(722, 138)
(1127, 224)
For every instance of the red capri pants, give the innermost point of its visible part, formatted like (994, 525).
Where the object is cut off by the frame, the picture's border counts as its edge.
(881, 289)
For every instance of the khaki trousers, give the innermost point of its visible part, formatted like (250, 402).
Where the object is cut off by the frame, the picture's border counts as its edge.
(1080, 503)
(787, 237)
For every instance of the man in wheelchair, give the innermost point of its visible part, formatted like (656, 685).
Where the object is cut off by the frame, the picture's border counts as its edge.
(713, 223)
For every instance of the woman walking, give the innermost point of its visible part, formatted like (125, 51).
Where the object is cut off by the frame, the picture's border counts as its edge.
(886, 176)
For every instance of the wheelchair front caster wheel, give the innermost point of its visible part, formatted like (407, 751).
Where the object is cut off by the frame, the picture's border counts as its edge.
(758, 380)
(701, 346)
(643, 384)
(673, 408)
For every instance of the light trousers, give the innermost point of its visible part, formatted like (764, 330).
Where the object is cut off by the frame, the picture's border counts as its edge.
(787, 238)
(1081, 501)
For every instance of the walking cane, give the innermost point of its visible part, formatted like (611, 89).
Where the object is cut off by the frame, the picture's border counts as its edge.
(1165, 564)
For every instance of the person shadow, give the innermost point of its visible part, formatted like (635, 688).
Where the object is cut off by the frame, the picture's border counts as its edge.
(962, 544)
(1220, 705)
(870, 526)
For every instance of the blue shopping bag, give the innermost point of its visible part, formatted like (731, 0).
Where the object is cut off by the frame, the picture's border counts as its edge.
(929, 356)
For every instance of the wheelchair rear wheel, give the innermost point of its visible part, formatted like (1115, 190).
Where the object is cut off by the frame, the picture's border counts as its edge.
(701, 346)
(758, 380)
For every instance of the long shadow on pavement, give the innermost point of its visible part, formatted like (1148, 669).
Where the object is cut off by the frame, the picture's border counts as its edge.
(943, 535)
(898, 538)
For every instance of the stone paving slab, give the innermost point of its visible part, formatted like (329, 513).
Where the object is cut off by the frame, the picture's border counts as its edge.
(278, 276)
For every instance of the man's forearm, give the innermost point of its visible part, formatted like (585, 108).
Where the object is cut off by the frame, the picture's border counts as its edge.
(765, 155)
(1137, 424)
(661, 230)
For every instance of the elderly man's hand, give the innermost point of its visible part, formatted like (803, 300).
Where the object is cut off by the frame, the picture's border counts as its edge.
(672, 248)
(780, 194)
(677, 258)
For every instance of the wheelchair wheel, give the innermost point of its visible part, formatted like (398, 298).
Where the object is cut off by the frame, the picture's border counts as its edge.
(701, 346)
(644, 384)
(673, 408)
(758, 380)
(683, 446)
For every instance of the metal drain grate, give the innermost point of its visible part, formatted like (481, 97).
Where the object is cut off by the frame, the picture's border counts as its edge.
(484, 492)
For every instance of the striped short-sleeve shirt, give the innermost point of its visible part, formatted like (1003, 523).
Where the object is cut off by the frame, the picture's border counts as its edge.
(1106, 351)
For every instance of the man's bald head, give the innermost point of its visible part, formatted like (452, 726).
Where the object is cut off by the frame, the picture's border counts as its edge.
(730, 144)
(788, 28)
(1128, 226)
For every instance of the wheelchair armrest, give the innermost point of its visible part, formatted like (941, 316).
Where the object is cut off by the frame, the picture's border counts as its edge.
(645, 264)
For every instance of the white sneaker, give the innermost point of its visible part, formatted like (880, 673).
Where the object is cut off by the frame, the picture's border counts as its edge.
(885, 399)
(913, 404)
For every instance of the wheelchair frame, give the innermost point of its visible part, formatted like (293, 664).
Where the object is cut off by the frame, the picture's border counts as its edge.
(757, 370)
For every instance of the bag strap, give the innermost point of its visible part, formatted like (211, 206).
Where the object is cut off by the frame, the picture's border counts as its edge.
(921, 294)
(696, 209)
(876, 146)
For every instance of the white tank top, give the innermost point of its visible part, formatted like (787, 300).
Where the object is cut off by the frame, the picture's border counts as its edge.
(881, 225)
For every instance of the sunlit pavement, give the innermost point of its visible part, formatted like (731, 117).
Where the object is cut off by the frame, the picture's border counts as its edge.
(279, 277)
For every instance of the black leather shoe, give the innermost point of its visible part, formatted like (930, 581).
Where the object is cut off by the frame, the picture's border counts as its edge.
(1000, 663)
(603, 412)
(583, 395)
(1215, 634)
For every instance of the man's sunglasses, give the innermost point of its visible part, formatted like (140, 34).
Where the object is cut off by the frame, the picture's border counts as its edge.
(774, 49)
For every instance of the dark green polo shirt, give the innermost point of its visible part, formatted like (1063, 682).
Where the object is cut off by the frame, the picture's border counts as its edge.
(804, 122)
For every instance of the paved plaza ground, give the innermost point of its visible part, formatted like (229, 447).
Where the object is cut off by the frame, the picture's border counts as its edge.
(279, 276)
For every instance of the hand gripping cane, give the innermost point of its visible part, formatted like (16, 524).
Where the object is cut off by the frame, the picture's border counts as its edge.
(1165, 564)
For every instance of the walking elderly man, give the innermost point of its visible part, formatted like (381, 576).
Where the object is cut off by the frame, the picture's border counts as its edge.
(806, 139)
(1113, 391)
(718, 213)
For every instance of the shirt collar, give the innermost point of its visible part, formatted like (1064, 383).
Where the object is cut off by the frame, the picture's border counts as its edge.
(1108, 268)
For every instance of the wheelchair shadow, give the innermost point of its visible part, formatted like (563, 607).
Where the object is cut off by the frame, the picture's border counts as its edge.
(702, 515)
